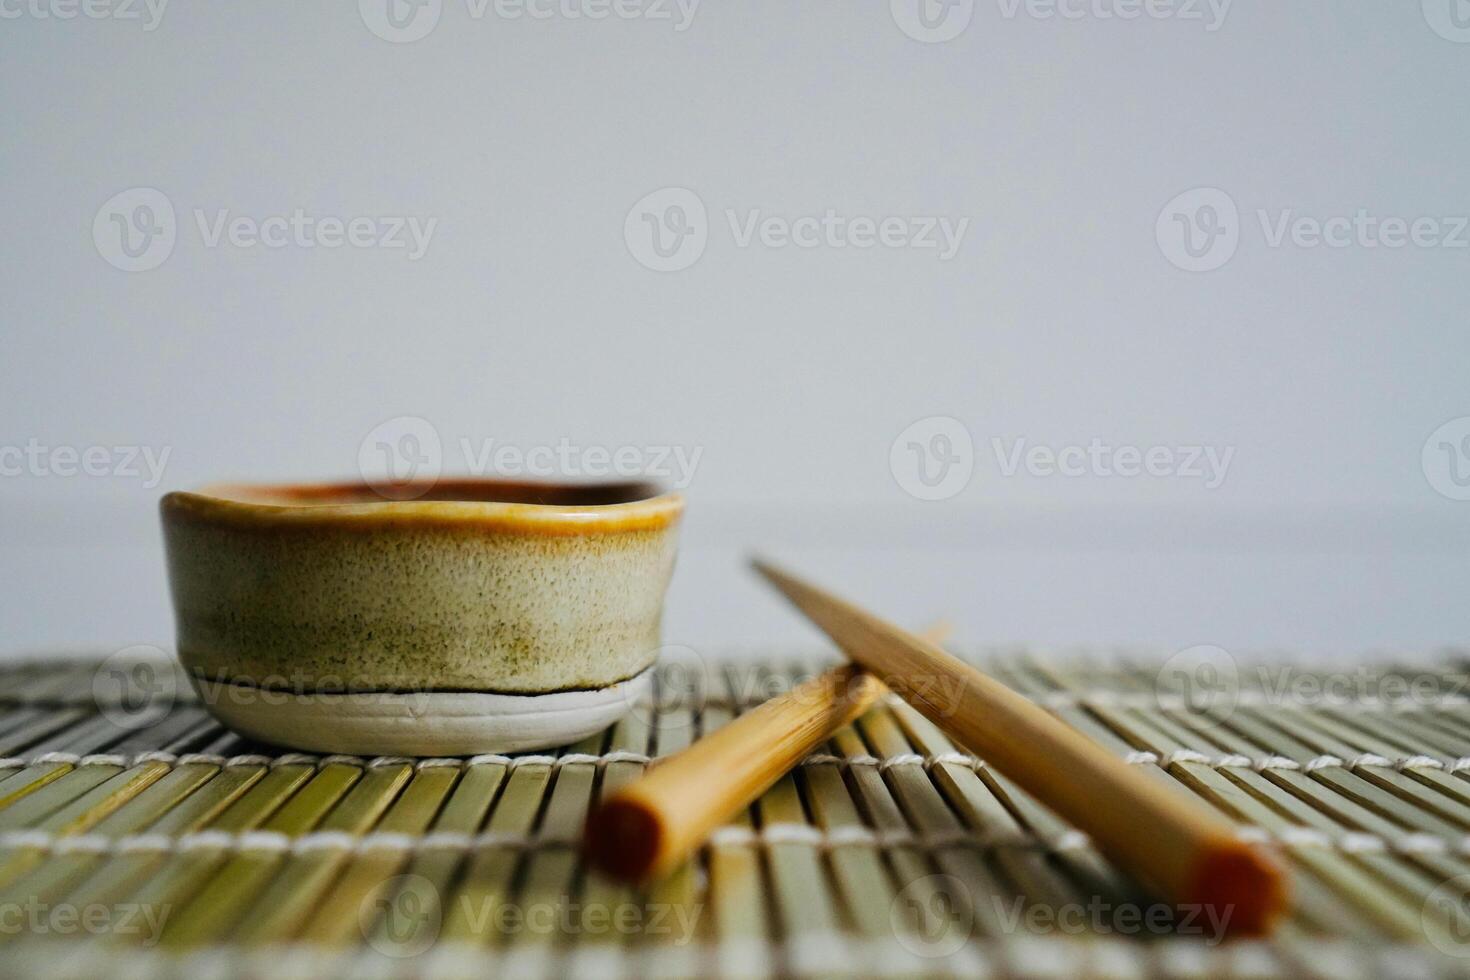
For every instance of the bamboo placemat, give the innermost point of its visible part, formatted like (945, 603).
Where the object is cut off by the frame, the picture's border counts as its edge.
(141, 839)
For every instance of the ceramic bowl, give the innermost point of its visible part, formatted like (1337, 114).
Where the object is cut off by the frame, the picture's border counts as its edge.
(484, 616)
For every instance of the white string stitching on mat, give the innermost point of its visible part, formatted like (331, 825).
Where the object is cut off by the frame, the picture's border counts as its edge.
(27, 838)
(1354, 842)
(1351, 842)
(851, 834)
(1422, 843)
(1293, 836)
(1228, 761)
(307, 759)
(826, 759)
(902, 759)
(1136, 757)
(263, 840)
(983, 956)
(387, 841)
(739, 956)
(323, 840)
(81, 844)
(1244, 699)
(206, 840)
(446, 840)
(506, 760)
(144, 842)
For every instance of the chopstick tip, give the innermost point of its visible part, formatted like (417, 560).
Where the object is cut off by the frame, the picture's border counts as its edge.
(624, 838)
(769, 570)
(1247, 885)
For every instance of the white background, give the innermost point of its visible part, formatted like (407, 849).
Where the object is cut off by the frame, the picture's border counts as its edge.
(793, 370)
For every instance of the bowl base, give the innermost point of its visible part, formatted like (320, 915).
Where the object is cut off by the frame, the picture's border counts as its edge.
(421, 723)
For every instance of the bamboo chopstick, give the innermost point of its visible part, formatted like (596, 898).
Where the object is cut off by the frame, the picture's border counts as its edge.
(1174, 843)
(645, 829)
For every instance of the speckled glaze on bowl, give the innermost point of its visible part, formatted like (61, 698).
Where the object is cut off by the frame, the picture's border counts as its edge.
(477, 587)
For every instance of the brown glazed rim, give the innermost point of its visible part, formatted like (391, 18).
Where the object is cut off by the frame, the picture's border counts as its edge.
(470, 504)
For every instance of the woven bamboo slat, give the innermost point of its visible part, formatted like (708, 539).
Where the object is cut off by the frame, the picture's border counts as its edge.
(889, 851)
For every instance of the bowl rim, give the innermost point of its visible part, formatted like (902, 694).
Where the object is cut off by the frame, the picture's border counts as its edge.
(251, 505)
